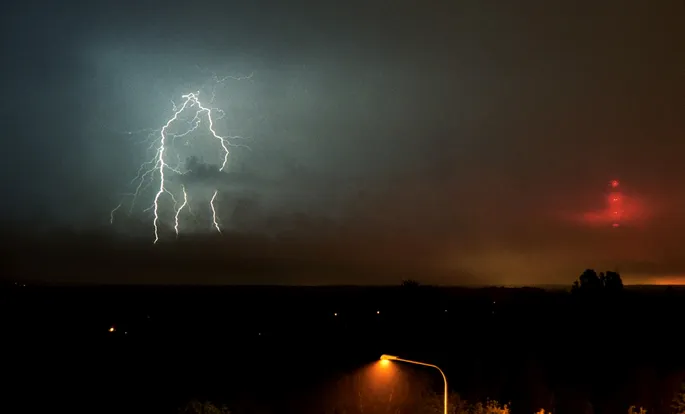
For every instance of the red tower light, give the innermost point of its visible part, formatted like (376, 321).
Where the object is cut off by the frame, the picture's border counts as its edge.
(615, 204)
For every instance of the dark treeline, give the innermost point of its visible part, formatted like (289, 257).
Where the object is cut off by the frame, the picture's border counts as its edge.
(595, 347)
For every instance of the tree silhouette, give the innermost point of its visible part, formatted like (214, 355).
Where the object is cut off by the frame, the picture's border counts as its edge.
(433, 404)
(410, 283)
(417, 299)
(612, 282)
(589, 282)
(197, 407)
(679, 401)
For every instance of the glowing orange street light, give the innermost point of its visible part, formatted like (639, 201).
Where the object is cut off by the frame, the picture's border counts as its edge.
(387, 358)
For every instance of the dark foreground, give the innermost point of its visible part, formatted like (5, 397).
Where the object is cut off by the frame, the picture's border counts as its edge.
(299, 350)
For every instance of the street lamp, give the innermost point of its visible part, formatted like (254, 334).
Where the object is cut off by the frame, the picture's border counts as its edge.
(385, 357)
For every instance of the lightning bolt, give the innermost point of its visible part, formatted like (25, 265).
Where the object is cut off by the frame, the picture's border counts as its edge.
(211, 204)
(166, 159)
(114, 210)
(178, 211)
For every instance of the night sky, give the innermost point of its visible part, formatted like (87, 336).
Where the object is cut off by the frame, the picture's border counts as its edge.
(473, 140)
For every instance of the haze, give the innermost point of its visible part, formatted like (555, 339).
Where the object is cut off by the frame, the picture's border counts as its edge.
(465, 141)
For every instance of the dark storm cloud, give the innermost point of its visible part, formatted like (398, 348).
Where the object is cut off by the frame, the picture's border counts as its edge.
(463, 137)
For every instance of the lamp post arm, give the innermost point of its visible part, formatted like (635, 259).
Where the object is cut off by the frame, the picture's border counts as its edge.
(444, 378)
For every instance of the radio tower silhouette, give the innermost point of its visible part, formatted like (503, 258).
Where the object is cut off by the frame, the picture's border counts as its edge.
(615, 201)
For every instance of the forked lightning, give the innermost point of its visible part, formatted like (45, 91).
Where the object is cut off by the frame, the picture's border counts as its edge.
(162, 165)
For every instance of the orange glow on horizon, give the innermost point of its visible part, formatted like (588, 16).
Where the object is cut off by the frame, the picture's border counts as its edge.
(674, 280)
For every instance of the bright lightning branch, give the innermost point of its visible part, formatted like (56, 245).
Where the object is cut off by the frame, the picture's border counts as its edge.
(177, 138)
